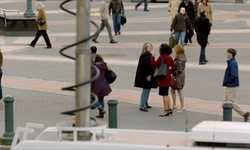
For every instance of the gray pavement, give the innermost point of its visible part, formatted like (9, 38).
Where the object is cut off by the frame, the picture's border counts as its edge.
(230, 28)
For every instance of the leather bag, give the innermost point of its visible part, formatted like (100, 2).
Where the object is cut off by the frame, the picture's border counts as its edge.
(110, 76)
(41, 21)
(172, 41)
(161, 72)
(176, 83)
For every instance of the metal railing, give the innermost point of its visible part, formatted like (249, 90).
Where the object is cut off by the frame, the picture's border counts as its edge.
(3, 13)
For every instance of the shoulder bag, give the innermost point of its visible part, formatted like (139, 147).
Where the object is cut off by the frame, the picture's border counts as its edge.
(41, 20)
(110, 76)
(161, 72)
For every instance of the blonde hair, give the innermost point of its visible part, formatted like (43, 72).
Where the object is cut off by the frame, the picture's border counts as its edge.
(179, 50)
(145, 46)
(39, 6)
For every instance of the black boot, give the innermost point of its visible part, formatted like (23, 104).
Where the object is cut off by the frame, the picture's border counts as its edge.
(101, 113)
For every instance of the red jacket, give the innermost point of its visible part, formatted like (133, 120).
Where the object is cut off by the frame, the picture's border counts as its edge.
(166, 81)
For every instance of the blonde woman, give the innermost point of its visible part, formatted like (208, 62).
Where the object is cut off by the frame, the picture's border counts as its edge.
(41, 29)
(180, 63)
(173, 7)
(144, 76)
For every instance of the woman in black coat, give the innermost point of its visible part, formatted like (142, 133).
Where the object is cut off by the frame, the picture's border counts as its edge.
(144, 76)
(202, 29)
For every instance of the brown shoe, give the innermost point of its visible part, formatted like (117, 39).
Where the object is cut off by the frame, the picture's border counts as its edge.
(246, 116)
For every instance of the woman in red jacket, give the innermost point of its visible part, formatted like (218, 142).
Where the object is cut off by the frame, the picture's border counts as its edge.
(166, 82)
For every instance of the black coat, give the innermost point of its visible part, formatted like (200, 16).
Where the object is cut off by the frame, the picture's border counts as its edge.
(202, 29)
(144, 69)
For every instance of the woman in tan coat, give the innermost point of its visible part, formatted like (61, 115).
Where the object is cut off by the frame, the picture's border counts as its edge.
(173, 7)
(41, 29)
(204, 6)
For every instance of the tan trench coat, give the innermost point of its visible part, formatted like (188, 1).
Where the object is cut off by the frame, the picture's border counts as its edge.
(208, 11)
(40, 13)
(173, 7)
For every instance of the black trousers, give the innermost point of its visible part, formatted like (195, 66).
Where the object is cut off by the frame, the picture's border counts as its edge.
(45, 36)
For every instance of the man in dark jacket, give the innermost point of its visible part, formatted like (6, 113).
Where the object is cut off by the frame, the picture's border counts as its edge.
(231, 82)
(117, 9)
(202, 29)
(180, 24)
(189, 7)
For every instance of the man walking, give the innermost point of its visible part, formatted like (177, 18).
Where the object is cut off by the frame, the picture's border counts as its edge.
(202, 29)
(231, 82)
(180, 24)
(104, 18)
(145, 4)
(189, 7)
(116, 6)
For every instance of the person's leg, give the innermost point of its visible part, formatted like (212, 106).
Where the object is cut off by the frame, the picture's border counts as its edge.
(182, 38)
(144, 98)
(114, 17)
(230, 96)
(145, 5)
(202, 55)
(38, 34)
(1, 92)
(177, 37)
(173, 98)
(98, 32)
(186, 37)
(181, 96)
(119, 23)
(139, 3)
(101, 107)
(46, 38)
(106, 24)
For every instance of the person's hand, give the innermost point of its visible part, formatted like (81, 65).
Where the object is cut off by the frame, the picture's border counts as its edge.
(148, 78)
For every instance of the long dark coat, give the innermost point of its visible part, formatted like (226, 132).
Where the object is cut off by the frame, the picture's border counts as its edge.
(144, 69)
(100, 87)
(202, 29)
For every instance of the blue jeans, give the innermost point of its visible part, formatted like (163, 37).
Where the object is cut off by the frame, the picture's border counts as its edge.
(180, 36)
(100, 103)
(144, 98)
(117, 22)
(202, 54)
(145, 4)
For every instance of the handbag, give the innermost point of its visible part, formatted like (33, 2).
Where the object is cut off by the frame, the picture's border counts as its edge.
(176, 83)
(172, 41)
(161, 72)
(41, 21)
(110, 75)
(123, 20)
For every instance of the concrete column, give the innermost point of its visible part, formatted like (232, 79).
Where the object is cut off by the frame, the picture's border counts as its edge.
(29, 12)
(227, 111)
(112, 113)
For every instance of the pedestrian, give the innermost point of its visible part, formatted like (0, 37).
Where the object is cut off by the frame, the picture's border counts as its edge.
(104, 13)
(164, 83)
(144, 76)
(116, 6)
(173, 6)
(206, 7)
(1, 74)
(180, 63)
(41, 29)
(202, 29)
(145, 4)
(189, 7)
(100, 87)
(196, 4)
(231, 82)
(180, 24)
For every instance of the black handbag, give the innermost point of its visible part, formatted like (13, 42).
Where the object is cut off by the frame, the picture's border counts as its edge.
(41, 21)
(123, 20)
(110, 75)
(161, 72)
